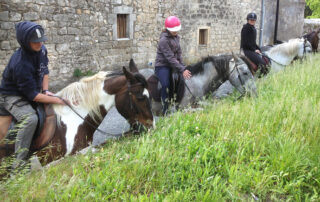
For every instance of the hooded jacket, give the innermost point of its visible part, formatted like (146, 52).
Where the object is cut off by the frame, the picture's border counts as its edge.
(249, 37)
(169, 52)
(24, 73)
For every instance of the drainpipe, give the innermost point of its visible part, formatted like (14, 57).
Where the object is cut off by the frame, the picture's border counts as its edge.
(275, 41)
(261, 23)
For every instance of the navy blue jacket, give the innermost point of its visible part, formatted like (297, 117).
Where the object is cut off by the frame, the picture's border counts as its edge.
(249, 37)
(24, 73)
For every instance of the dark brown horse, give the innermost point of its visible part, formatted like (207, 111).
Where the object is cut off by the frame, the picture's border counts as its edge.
(90, 98)
(313, 38)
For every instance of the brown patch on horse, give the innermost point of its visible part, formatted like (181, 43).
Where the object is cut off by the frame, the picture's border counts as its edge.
(56, 148)
(48, 130)
(114, 84)
(82, 139)
(313, 38)
(4, 126)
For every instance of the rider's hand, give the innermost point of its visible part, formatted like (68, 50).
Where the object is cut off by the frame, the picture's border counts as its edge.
(258, 51)
(48, 93)
(186, 74)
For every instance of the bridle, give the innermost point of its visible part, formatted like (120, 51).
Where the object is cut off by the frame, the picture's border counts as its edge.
(129, 91)
(240, 79)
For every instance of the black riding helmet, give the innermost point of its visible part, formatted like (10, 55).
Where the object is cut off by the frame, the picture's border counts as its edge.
(252, 16)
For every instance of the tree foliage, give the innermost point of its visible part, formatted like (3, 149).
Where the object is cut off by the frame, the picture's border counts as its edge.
(314, 6)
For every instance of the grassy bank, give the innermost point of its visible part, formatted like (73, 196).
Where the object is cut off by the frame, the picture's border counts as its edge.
(256, 148)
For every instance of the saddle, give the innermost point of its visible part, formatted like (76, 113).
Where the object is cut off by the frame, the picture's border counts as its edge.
(46, 126)
(176, 90)
(254, 67)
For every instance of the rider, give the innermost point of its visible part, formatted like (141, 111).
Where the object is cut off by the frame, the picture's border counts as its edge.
(24, 81)
(248, 42)
(169, 58)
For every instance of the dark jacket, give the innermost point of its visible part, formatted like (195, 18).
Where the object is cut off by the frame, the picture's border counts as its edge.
(24, 73)
(248, 38)
(169, 52)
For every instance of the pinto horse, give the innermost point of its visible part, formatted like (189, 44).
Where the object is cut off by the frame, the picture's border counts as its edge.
(90, 99)
(313, 38)
(283, 54)
(207, 75)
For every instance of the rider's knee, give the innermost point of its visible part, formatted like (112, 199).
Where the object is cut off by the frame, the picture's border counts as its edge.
(32, 119)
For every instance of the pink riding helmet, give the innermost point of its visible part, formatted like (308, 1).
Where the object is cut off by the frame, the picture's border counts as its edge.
(172, 23)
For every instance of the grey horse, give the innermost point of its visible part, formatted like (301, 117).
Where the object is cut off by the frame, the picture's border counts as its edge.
(207, 75)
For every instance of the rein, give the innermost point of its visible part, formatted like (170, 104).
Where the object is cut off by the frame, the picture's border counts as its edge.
(241, 81)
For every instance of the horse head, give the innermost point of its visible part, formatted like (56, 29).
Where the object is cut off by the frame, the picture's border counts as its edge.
(241, 77)
(305, 48)
(132, 99)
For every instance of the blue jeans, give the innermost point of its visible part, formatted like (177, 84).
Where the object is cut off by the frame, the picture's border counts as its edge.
(163, 73)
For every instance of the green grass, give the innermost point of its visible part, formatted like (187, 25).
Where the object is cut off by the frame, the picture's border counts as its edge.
(266, 146)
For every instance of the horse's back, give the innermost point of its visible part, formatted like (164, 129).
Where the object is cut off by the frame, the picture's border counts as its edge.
(147, 72)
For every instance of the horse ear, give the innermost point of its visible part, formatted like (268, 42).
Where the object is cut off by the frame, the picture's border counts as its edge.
(132, 66)
(236, 58)
(128, 74)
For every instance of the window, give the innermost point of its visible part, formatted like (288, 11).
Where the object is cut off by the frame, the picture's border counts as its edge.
(203, 36)
(122, 26)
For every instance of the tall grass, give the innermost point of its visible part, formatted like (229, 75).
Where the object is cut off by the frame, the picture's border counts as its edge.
(257, 148)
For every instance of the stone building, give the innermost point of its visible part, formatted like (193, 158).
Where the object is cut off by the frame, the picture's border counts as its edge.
(104, 34)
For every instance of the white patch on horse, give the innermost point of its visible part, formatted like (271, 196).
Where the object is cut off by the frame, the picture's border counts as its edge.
(106, 99)
(72, 121)
(146, 93)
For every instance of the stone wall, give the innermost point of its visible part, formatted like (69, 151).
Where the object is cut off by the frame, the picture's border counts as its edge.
(291, 20)
(83, 34)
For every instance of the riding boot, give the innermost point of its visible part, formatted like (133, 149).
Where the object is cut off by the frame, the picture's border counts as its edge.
(264, 70)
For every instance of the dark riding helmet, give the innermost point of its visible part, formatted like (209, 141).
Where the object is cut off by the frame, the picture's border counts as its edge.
(252, 16)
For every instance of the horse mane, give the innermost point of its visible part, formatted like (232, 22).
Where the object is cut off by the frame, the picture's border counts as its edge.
(288, 48)
(77, 94)
(221, 64)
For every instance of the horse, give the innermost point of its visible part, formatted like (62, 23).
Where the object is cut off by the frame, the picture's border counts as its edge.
(207, 75)
(283, 54)
(313, 38)
(89, 101)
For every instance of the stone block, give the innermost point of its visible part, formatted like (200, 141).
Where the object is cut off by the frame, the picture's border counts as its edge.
(5, 45)
(6, 25)
(73, 31)
(41, 2)
(116, 1)
(4, 16)
(15, 17)
(3, 35)
(31, 16)
(63, 48)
